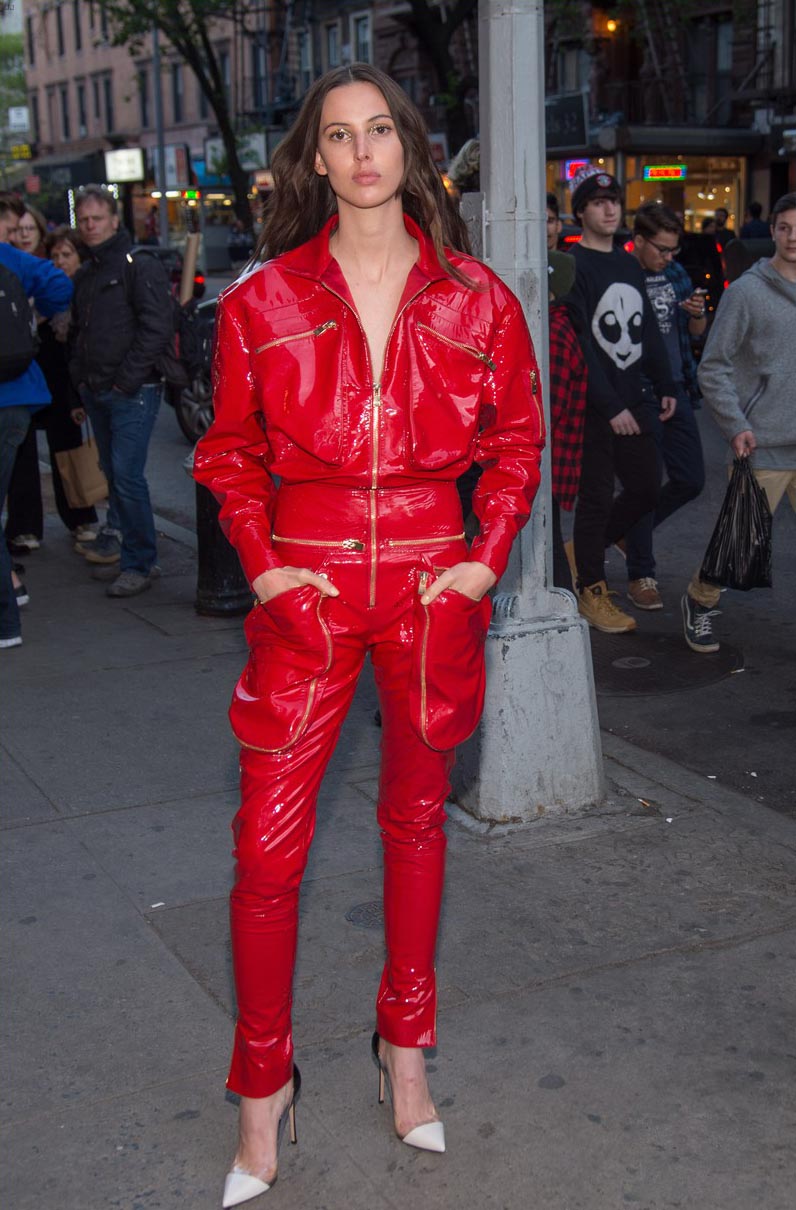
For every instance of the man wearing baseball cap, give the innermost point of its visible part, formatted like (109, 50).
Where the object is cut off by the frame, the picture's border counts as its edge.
(618, 442)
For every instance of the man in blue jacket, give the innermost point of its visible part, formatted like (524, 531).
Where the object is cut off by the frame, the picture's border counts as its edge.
(51, 291)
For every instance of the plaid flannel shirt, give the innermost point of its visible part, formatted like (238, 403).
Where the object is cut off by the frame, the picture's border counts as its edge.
(568, 380)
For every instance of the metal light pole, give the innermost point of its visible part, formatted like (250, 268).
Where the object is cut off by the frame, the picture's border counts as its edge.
(160, 156)
(538, 749)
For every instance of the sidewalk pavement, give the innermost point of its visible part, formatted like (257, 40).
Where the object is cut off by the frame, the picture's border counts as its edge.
(616, 988)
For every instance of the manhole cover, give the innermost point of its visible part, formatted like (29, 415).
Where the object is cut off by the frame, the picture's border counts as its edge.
(656, 663)
(366, 915)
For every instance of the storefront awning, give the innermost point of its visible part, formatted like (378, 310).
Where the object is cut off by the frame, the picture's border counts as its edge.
(680, 140)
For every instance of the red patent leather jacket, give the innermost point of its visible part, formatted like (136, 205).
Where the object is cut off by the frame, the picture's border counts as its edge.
(295, 395)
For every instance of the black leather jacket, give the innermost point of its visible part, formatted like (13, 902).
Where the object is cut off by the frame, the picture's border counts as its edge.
(122, 318)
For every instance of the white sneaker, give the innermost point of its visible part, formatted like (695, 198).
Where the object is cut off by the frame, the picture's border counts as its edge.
(84, 533)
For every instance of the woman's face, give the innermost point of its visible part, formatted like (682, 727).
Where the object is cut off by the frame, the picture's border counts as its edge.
(28, 235)
(358, 147)
(64, 256)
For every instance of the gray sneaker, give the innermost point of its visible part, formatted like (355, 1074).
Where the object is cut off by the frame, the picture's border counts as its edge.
(129, 584)
(111, 572)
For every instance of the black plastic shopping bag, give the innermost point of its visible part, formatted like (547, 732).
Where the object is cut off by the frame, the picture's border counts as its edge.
(739, 552)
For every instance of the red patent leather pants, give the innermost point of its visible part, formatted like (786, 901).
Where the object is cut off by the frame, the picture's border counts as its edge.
(274, 826)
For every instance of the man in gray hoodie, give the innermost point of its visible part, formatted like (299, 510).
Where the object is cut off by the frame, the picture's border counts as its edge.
(748, 380)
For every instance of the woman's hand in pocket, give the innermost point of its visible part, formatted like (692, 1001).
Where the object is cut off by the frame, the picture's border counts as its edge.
(281, 579)
(472, 580)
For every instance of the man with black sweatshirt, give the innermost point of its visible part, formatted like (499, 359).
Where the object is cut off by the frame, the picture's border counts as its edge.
(616, 316)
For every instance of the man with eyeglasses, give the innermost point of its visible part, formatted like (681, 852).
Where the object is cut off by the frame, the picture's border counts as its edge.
(681, 315)
(615, 314)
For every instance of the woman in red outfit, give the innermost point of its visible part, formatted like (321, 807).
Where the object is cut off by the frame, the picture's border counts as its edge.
(366, 364)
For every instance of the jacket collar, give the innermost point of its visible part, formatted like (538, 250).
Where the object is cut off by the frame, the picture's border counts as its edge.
(313, 259)
(118, 242)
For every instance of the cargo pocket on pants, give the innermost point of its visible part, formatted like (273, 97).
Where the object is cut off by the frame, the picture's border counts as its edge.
(446, 691)
(290, 651)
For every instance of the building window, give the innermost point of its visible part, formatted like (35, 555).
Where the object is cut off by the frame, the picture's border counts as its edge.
(143, 97)
(305, 60)
(82, 113)
(104, 25)
(90, 14)
(202, 101)
(360, 37)
(66, 128)
(31, 41)
(331, 41)
(259, 80)
(223, 67)
(107, 88)
(176, 91)
(59, 30)
(52, 123)
(34, 117)
(76, 22)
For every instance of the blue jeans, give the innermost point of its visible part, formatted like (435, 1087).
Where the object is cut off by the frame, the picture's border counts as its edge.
(123, 426)
(14, 424)
(680, 453)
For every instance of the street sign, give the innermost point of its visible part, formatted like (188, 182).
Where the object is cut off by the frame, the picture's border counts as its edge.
(18, 120)
(566, 121)
(124, 164)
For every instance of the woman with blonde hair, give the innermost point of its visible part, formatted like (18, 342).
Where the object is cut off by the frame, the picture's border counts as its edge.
(361, 366)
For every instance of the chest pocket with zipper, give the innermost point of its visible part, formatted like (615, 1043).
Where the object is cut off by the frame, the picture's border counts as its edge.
(449, 370)
(298, 365)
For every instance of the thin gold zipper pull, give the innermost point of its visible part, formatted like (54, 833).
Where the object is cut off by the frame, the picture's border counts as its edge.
(422, 583)
(377, 394)
(324, 327)
(534, 382)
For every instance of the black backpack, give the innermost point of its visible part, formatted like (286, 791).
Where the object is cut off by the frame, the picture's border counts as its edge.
(19, 339)
(184, 356)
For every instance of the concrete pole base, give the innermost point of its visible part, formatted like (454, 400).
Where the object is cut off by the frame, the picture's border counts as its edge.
(540, 753)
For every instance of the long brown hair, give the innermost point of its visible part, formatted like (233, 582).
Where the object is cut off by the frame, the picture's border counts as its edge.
(302, 201)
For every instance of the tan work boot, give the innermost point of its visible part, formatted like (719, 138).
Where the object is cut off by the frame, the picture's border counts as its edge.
(644, 593)
(599, 610)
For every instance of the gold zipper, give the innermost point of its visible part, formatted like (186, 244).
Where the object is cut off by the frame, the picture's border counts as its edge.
(534, 393)
(283, 340)
(457, 344)
(343, 544)
(374, 482)
(440, 541)
(311, 695)
(421, 588)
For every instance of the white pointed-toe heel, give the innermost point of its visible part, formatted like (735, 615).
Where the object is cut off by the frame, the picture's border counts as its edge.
(241, 1186)
(428, 1136)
